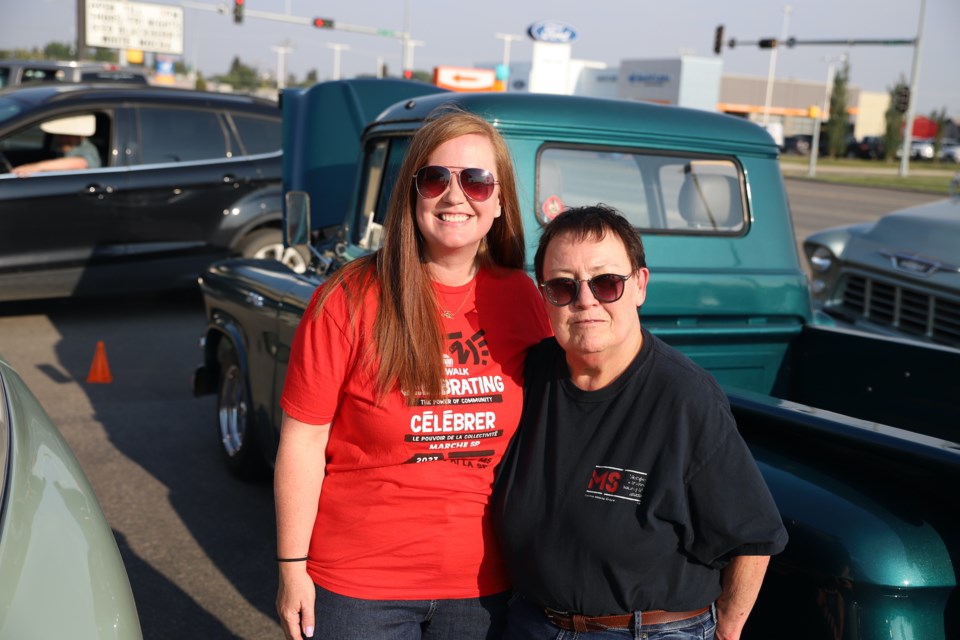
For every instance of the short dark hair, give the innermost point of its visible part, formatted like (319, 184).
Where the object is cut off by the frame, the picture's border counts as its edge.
(592, 222)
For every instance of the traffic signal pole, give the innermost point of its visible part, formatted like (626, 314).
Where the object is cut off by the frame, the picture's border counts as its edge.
(911, 106)
(307, 22)
(773, 43)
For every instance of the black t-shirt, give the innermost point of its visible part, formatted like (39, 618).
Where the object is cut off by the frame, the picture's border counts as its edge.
(632, 497)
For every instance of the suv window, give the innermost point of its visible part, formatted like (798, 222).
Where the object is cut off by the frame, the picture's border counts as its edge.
(656, 192)
(33, 144)
(181, 135)
(258, 135)
(40, 75)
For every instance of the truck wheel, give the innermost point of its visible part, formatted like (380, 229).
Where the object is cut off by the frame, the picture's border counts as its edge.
(267, 244)
(235, 422)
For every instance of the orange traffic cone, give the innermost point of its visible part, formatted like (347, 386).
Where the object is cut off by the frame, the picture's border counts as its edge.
(99, 369)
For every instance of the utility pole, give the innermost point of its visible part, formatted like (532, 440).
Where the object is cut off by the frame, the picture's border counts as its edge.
(408, 56)
(911, 107)
(406, 60)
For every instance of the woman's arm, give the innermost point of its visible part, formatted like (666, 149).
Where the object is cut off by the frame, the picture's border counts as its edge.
(741, 584)
(301, 461)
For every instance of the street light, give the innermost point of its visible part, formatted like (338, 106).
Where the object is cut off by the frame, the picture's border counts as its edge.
(507, 39)
(337, 48)
(815, 139)
(281, 51)
(773, 65)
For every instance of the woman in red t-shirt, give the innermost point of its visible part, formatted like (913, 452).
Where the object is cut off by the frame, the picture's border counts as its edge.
(402, 393)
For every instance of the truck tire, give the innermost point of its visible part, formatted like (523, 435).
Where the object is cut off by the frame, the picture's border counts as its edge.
(236, 423)
(267, 244)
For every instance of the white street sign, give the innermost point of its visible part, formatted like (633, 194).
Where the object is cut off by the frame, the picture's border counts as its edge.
(117, 24)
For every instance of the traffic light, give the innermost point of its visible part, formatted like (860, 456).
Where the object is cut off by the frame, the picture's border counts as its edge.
(901, 99)
(718, 40)
(767, 43)
(323, 23)
(238, 11)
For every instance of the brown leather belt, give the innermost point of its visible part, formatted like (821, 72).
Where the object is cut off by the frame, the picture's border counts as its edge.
(577, 622)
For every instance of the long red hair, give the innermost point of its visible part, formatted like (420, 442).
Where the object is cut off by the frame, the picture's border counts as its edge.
(407, 332)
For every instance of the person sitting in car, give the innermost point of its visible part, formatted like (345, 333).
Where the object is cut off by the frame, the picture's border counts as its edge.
(70, 138)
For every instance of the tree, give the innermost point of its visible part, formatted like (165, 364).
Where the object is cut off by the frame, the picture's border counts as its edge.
(893, 134)
(838, 124)
(21, 54)
(422, 76)
(105, 55)
(59, 51)
(240, 76)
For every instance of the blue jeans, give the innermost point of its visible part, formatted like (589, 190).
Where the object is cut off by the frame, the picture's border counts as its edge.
(526, 621)
(344, 618)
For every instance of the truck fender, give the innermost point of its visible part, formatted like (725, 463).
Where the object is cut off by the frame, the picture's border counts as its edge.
(222, 332)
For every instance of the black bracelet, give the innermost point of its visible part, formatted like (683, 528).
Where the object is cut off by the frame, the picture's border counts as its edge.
(303, 559)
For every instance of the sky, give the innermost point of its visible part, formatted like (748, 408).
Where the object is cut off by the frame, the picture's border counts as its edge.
(609, 31)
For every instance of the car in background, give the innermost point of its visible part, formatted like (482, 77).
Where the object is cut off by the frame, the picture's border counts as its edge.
(922, 149)
(185, 177)
(950, 151)
(797, 144)
(867, 148)
(899, 275)
(800, 145)
(61, 574)
(18, 72)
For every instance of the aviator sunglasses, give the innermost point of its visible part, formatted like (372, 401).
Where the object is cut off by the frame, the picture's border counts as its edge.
(607, 287)
(433, 181)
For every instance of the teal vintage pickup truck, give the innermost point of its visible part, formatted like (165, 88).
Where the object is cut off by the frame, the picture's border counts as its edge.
(856, 435)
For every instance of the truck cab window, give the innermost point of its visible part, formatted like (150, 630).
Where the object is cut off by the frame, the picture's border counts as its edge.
(658, 193)
(380, 174)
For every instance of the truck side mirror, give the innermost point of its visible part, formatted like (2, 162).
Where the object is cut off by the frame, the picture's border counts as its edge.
(297, 220)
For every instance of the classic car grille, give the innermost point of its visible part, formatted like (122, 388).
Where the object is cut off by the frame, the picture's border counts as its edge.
(909, 310)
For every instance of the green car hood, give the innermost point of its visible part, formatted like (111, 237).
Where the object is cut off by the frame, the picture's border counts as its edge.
(921, 242)
(61, 575)
(931, 230)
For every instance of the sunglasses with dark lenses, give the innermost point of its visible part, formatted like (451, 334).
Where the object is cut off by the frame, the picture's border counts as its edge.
(607, 287)
(476, 184)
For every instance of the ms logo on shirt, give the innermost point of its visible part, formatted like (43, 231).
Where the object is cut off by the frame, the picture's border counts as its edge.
(605, 479)
(611, 484)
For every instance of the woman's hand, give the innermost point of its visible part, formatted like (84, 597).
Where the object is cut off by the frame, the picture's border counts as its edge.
(295, 600)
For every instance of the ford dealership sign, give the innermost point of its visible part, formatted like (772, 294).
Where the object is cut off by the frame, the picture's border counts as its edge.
(552, 31)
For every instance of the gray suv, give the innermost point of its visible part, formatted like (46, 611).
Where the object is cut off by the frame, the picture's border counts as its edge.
(172, 180)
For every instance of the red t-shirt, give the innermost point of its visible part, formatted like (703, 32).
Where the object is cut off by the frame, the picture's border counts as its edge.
(404, 507)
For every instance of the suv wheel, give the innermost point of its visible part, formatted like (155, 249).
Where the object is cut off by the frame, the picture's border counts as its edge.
(267, 244)
(235, 421)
